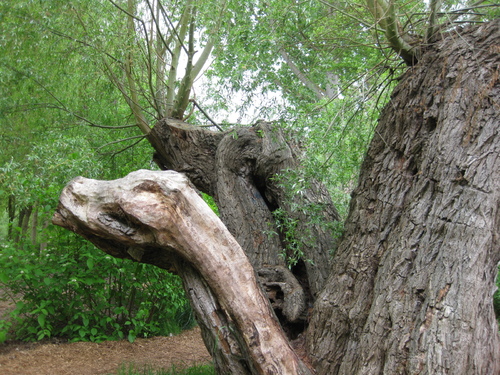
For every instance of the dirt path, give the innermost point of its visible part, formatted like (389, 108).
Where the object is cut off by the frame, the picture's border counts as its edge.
(84, 358)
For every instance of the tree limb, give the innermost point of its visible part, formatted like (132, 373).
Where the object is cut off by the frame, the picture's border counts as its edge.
(157, 218)
(318, 91)
(385, 16)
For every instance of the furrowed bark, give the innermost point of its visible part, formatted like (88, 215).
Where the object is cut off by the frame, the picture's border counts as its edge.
(413, 279)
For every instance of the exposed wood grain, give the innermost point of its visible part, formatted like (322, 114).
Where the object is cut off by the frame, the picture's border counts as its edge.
(158, 218)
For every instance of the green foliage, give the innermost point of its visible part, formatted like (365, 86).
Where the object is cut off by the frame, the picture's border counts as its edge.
(5, 327)
(40, 175)
(211, 203)
(287, 226)
(69, 288)
(65, 286)
(315, 67)
(195, 370)
(313, 64)
(496, 298)
(287, 55)
(75, 291)
(51, 93)
(298, 210)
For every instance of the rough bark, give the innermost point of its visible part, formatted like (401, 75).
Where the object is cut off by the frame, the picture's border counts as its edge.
(239, 168)
(157, 218)
(412, 282)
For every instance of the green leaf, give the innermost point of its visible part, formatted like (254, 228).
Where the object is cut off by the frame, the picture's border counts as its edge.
(3, 336)
(3, 277)
(90, 263)
(41, 320)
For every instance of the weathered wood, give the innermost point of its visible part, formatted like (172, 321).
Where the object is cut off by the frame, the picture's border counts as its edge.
(239, 168)
(412, 282)
(156, 217)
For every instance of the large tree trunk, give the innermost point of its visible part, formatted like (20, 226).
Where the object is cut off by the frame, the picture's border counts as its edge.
(412, 282)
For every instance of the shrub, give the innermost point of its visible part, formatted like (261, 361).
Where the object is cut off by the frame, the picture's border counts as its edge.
(77, 292)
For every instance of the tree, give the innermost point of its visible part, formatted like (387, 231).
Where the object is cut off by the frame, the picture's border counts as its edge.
(238, 167)
(410, 287)
(124, 60)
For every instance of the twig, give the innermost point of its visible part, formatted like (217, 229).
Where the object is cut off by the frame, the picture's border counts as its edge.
(142, 136)
(205, 114)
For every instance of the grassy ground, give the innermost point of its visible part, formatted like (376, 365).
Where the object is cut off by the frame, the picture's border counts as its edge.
(196, 370)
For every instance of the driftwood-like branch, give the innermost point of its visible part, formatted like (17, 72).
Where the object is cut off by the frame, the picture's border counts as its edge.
(157, 218)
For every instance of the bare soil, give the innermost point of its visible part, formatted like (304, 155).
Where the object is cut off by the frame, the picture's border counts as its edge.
(85, 358)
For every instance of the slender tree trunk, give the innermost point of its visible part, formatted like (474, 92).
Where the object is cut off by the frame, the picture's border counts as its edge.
(12, 215)
(44, 243)
(34, 226)
(412, 282)
(23, 223)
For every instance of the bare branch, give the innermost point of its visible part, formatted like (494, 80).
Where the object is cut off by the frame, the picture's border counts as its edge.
(126, 148)
(134, 101)
(158, 30)
(195, 103)
(158, 218)
(182, 99)
(174, 29)
(347, 14)
(61, 106)
(320, 93)
(142, 136)
(435, 6)
(207, 50)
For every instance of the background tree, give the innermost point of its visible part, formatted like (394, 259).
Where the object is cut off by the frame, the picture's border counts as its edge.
(61, 117)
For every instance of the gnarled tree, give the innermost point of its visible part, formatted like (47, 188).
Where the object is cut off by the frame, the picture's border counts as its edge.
(411, 283)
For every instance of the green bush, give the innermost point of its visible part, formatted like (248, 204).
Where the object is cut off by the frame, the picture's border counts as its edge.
(77, 292)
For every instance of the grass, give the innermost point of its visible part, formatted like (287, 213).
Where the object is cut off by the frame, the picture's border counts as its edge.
(174, 370)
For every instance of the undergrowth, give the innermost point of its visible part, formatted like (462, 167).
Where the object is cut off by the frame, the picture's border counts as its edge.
(174, 370)
(77, 292)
